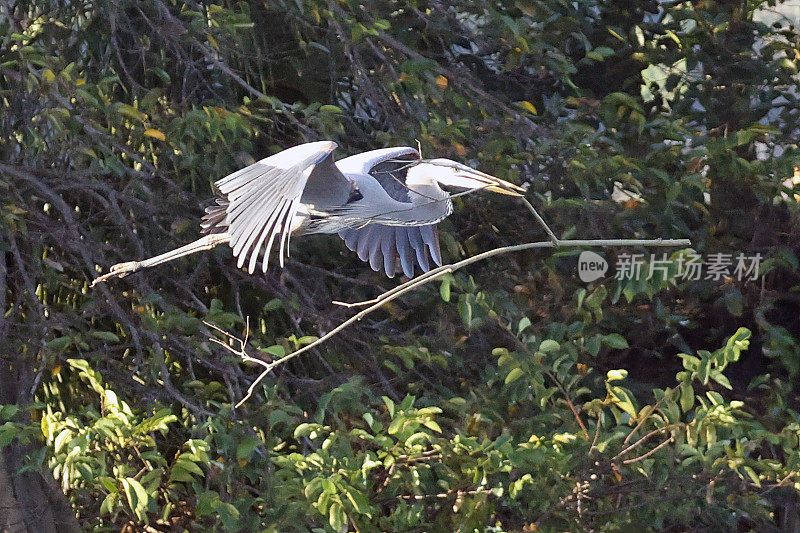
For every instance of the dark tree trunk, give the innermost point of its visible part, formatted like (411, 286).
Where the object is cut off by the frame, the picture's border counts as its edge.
(31, 500)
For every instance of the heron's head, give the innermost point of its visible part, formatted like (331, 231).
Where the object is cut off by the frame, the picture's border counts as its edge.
(447, 173)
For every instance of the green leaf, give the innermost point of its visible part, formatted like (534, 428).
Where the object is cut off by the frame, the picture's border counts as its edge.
(137, 497)
(359, 502)
(396, 425)
(312, 489)
(130, 112)
(465, 309)
(600, 53)
(615, 340)
(687, 396)
(389, 405)
(623, 399)
(616, 375)
(444, 290)
(246, 448)
(593, 345)
(549, 345)
(109, 483)
(93, 377)
(328, 108)
(752, 475)
(515, 374)
(8, 432)
(276, 350)
(430, 424)
(86, 472)
(328, 486)
(278, 416)
(337, 516)
(59, 343)
(272, 305)
(7, 412)
(637, 30)
(720, 378)
(529, 107)
(107, 507)
(306, 429)
(180, 474)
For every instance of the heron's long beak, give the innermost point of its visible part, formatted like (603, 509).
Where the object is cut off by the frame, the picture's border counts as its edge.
(491, 183)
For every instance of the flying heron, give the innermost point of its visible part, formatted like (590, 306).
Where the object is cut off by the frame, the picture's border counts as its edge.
(384, 204)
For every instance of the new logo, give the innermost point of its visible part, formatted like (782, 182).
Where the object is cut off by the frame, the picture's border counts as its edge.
(591, 266)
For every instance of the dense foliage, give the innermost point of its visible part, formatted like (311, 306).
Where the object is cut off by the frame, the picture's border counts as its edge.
(510, 396)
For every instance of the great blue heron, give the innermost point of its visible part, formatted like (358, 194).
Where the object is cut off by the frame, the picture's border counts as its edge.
(384, 204)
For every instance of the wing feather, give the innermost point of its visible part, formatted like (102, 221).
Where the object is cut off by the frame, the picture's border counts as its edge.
(273, 232)
(364, 162)
(375, 254)
(389, 251)
(259, 201)
(350, 238)
(286, 234)
(430, 236)
(404, 249)
(415, 237)
(252, 220)
(363, 243)
(266, 231)
(385, 246)
(388, 166)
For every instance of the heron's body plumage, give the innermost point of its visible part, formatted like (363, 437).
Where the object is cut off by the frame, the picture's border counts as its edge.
(384, 204)
(367, 199)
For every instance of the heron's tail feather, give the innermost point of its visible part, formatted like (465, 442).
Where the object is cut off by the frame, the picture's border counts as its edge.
(214, 219)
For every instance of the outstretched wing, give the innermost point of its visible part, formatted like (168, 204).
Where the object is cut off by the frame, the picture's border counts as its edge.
(391, 247)
(260, 200)
(388, 166)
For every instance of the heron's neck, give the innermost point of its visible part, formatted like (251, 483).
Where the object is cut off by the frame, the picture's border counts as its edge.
(424, 193)
(422, 188)
(429, 204)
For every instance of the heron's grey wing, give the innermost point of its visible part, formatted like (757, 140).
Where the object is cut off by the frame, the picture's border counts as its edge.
(261, 199)
(364, 162)
(388, 166)
(388, 246)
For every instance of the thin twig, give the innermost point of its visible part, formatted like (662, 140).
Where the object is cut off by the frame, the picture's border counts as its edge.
(643, 419)
(548, 373)
(540, 220)
(640, 441)
(446, 494)
(779, 483)
(597, 431)
(565, 243)
(436, 273)
(648, 454)
(242, 343)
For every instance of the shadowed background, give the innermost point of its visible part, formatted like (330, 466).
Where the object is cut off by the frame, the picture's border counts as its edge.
(494, 400)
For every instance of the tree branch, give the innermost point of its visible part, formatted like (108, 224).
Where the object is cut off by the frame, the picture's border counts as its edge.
(427, 277)
(436, 273)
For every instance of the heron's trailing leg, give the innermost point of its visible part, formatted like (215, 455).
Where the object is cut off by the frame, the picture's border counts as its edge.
(120, 270)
